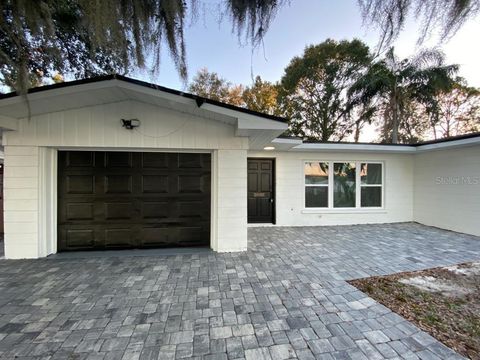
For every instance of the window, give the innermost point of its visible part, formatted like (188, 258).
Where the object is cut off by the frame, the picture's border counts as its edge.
(344, 180)
(316, 184)
(371, 185)
(347, 184)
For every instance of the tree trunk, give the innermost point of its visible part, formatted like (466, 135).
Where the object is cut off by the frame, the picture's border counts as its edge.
(395, 114)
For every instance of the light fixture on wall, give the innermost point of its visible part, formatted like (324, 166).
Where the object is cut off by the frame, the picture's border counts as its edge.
(269, 148)
(130, 124)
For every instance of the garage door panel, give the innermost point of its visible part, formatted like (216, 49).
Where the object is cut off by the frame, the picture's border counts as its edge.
(80, 238)
(119, 238)
(80, 158)
(132, 200)
(79, 211)
(191, 184)
(155, 184)
(118, 210)
(155, 210)
(173, 236)
(80, 184)
(118, 159)
(190, 161)
(118, 184)
(155, 160)
(191, 209)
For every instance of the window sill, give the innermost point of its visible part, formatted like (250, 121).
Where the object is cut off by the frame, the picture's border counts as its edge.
(344, 211)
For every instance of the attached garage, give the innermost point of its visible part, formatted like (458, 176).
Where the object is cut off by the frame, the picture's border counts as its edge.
(116, 163)
(118, 200)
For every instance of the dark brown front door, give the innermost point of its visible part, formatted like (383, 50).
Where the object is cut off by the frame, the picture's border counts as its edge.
(112, 200)
(260, 191)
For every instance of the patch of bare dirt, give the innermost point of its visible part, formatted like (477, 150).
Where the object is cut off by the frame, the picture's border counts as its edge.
(444, 302)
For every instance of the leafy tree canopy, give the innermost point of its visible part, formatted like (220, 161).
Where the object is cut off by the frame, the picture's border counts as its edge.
(212, 86)
(261, 96)
(392, 84)
(314, 89)
(458, 112)
(84, 37)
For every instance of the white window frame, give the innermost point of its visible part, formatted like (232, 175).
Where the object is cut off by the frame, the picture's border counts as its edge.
(327, 185)
(358, 187)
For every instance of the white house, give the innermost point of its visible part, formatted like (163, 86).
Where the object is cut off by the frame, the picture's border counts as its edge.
(112, 162)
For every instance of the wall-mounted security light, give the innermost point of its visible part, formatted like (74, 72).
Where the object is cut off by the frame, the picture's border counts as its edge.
(269, 148)
(130, 124)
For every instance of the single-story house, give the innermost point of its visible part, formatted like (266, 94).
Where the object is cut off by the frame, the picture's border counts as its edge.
(111, 162)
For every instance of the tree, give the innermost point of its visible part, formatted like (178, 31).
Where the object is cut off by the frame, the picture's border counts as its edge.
(459, 112)
(314, 89)
(390, 16)
(111, 36)
(393, 84)
(41, 38)
(262, 97)
(212, 86)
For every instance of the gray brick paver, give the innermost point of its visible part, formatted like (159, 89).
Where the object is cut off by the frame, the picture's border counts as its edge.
(285, 297)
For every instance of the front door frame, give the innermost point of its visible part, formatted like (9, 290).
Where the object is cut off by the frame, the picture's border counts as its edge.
(274, 186)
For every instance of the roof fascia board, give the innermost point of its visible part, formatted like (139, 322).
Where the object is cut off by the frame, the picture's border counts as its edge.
(355, 147)
(449, 144)
(154, 92)
(66, 90)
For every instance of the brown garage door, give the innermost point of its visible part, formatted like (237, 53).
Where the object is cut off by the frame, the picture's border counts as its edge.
(112, 200)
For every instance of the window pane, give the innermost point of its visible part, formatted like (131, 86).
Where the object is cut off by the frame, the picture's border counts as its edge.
(371, 196)
(371, 174)
(316, 196)
(344, 185)
(316, 173)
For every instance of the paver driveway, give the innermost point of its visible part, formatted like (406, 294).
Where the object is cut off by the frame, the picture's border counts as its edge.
(284, 298)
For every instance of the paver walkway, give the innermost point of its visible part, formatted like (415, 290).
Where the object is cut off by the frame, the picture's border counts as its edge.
(284, 298)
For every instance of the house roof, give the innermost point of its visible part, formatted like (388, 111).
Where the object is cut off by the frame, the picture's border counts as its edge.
(262, 129)
(200, 100)
(297, 144)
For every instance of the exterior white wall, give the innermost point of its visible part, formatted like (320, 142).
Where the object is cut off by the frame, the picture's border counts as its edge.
(100, 126)
(21, 202)
(289, 178)
(447, 189)
(30, 167)
(231, 200)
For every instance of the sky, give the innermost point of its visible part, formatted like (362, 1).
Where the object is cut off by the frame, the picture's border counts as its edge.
(211, 43)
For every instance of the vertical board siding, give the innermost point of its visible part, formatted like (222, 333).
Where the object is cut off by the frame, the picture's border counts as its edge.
(398, 187)
(447, 189)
